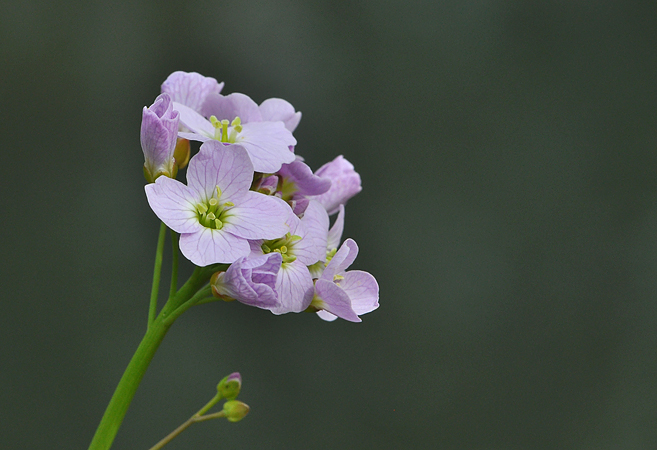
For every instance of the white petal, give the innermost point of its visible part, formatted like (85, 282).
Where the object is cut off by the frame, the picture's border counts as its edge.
(193, 120)
(316, 222)
(268, 145)
(335, 233)
(174, 203)
(226, 166)
(362, 289)
(325, 315)
(208, 246)
(295, 288)
(258, 216)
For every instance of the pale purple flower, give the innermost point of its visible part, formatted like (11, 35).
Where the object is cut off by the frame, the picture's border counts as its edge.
(343, 294)
(345, 183)
(300, 248)
(297, 183)
(274, 109)
(250, 280)
(237, 119)
(216, 213)
(190, 88)
(159, 131)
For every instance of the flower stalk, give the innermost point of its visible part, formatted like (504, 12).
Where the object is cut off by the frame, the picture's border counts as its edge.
(185, 297)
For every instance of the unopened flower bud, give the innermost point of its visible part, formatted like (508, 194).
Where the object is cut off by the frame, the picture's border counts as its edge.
(230, 386)
(235, 410)
(249, 280)
(159, 131)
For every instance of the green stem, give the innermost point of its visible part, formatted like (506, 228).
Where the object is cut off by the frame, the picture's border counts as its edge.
(152, 309)
(125, 391)
(198, 417)
(174, 264)
(200, 295)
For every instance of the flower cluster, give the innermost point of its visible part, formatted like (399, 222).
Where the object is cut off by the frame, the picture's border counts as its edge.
(251, 202)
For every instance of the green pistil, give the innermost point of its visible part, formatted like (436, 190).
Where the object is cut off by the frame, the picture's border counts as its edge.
(221, 132)
(211, 212)
(282, 246)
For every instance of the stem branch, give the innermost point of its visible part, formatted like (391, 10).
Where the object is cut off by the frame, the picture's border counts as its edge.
(152, 309)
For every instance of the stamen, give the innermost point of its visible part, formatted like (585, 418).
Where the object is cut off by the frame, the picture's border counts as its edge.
(201, 208)
(218, 127)
(265, 248)
(237, 124)
(218, 224)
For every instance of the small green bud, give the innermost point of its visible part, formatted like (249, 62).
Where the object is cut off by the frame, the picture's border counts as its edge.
(230, 386)
(235, 410)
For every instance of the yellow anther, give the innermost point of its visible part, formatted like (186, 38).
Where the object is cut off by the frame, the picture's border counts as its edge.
(201, 208)
(229, 204)
(237, 124)
(218, 224)
(211, 216)
(218, 192)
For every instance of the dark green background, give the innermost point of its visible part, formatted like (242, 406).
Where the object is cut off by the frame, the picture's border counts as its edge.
(508, 156)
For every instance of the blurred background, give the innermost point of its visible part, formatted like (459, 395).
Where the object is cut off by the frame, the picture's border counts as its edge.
(509, 212)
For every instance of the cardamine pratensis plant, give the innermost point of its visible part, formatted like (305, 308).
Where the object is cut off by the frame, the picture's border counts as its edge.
(253, 218)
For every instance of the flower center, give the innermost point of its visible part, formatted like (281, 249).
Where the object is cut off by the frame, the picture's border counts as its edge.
(225, 133)
(212, 213)
(283, 245)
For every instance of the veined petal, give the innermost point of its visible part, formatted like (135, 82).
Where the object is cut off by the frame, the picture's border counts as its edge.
(190, 89)
(174, 203)
(303, 249)
(231, 106)
(207, 246)
(252, 280)
(194, 121)
(268, 145)
(226, 166)
(275, 109)
(316, 222)
(341, 260)
(295, 288)
(335, 300)
(362, 289)
(335, 233)
(257, 216)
